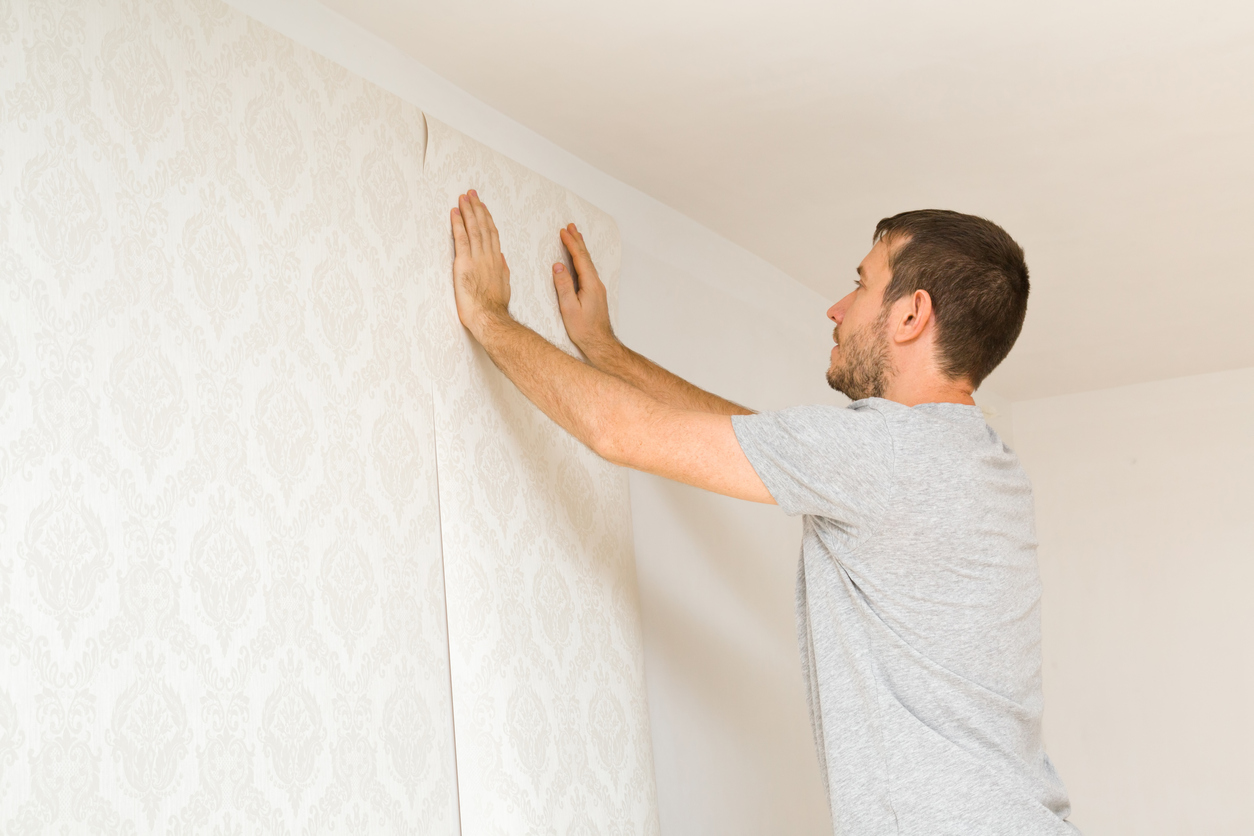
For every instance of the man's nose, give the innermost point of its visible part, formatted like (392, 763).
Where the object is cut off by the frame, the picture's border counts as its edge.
(836, 313)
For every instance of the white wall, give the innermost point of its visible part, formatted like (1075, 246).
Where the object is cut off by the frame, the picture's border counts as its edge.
(1144, 498)
(733, 751)
(732, 745)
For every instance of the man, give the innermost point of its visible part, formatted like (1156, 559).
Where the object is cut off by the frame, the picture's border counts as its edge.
(918, 593)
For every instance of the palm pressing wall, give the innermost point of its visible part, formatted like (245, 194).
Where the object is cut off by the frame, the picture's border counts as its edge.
(280, 550)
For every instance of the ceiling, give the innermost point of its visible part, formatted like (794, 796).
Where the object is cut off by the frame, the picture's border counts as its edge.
(1114, 140)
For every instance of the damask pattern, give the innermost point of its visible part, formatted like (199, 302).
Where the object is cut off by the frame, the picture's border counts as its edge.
(544, 630)
(237, 414)
(221, 590)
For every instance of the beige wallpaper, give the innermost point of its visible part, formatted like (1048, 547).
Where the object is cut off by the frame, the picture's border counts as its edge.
(228, 357)
(544, 629)
(221, 601)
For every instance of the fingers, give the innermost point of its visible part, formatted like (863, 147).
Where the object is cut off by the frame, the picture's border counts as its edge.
(473, 234)
(461, 242)
(572, 238)
(493, 238)
(489, 238)
(482, 219)
(564, 284)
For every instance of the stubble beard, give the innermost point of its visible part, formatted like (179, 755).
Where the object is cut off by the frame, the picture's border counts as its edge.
(865, 368)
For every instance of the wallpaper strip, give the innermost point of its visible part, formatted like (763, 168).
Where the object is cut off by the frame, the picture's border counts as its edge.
(545, 650)
(221, 605)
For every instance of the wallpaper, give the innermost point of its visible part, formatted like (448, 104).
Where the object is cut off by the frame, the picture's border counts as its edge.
(544, 631)
(280, 550)
(221, 591)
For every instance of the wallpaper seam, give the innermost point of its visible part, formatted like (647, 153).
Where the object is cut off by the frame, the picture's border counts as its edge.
(426, 150)
(448, 655)
(226, 266)
(551, 720)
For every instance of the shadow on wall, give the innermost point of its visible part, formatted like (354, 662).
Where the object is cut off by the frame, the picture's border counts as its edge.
(734, 750)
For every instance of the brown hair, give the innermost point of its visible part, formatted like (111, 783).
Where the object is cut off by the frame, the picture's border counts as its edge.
(976, 276)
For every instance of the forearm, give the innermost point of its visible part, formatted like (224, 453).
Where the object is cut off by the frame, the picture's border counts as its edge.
(618, 421)
(581, 399)
(612, 357)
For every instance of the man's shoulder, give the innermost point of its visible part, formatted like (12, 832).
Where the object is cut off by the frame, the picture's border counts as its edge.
(865, 418)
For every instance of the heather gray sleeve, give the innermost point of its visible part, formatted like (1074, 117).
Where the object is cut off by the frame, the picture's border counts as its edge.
(826, 461)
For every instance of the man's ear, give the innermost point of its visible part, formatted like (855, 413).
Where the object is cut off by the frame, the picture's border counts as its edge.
(915, 312)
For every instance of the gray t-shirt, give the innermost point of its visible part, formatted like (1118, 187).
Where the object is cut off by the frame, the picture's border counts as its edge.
(918, 616)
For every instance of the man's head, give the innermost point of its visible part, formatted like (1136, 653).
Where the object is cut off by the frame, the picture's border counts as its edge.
(941, 299)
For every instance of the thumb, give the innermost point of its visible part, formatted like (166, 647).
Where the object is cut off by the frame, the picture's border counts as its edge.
(564, 283)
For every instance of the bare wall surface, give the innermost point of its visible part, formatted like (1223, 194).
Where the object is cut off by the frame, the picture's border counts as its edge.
(734, 753)
(1146, 543)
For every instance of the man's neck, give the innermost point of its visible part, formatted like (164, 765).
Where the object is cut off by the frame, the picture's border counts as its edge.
(929, 390)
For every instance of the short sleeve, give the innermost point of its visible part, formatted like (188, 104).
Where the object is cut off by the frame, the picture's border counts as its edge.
(826, 461)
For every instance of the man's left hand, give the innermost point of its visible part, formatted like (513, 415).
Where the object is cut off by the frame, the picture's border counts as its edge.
(480, 274)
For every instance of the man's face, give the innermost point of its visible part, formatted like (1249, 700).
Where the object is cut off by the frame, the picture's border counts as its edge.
(860, 363)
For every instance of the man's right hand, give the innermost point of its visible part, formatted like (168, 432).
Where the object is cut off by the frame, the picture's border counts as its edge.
(586, 315)
(586, 311)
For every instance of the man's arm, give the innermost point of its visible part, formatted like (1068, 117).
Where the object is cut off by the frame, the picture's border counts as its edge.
(618, 421)
(586, 314)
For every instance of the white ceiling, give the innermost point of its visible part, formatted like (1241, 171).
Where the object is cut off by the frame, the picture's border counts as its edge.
(1114, 140)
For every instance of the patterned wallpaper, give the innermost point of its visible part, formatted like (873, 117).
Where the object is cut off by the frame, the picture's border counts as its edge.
(234, 416)
(544, 629)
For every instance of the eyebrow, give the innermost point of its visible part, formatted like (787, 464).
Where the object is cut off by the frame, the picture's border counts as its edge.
(859, 270)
